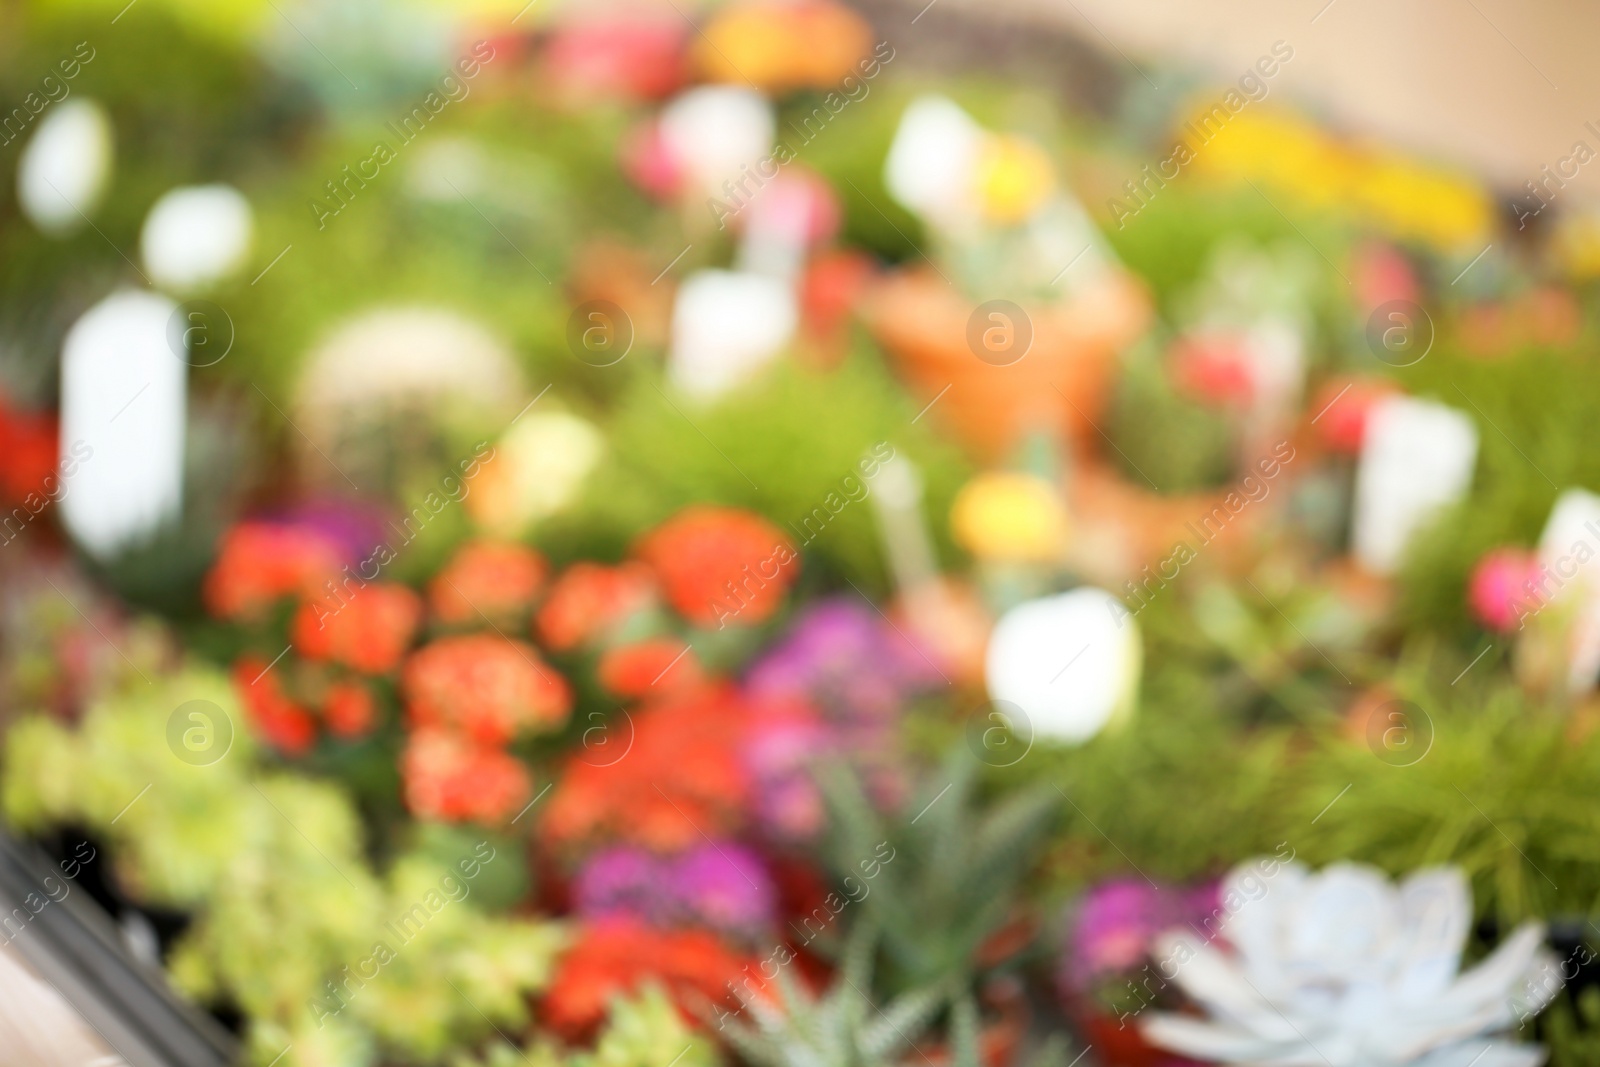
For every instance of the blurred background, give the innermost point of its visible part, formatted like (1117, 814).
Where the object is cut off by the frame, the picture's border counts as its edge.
(798, 533)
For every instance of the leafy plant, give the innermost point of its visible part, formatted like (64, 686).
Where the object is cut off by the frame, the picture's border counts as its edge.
(956, 872)
(843, 1028)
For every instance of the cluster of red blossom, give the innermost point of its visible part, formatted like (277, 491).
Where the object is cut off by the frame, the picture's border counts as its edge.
(469, 689)
(663, 776)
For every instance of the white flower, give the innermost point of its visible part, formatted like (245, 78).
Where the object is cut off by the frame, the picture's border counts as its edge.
(539, 466)
(716, 132)
(726, 326)
(63, 171)
(1070, 662)
(930, 164)
(196, 235)
(1416, 460)
(1345, 969)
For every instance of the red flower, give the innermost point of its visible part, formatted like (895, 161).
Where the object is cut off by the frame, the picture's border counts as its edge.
(1498, 592)
(28, 452)
(448, 777)
(829, 289)
(262, 562)
(489, 687)
(720, 565)
(1341, 410)
(1215, 368)
(368, 631)
(658, 662)
(589, 599)
(682, 777)
(486, 576)
(348, 709)
(615, 955)
(280, 721)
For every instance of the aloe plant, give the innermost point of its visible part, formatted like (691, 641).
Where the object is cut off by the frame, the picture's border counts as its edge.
(845, 1027)
(955, 873)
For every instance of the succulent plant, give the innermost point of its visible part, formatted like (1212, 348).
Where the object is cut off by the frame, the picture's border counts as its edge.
(843, 1028)
(951, 879)
(1346, 969)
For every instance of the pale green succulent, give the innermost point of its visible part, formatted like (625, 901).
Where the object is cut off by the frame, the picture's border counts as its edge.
(284, 898)
(642, 1030)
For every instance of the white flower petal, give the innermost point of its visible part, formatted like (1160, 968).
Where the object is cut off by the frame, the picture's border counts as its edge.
(1484, 1054)
(1436, 905)
(1218, 982)
(1211, 1041)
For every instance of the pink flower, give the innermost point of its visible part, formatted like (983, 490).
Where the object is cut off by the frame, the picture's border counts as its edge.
(628, 58)
(1497, 592)
(649, 163)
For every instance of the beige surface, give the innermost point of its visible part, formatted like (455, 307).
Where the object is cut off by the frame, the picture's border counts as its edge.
(40, 1029)
(1501, 86)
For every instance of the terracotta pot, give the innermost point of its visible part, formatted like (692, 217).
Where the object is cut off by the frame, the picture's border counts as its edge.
(1124, 527)
(1059, 384)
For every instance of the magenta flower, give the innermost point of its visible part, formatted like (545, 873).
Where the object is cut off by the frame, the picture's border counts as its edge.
(623, 880)
(1116, 922)
(1498, 592)
(725, 886)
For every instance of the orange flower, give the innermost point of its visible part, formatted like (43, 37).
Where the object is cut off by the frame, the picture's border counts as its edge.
(368, 631)
(658, 662)
(615, 956)
(348, 709)
(490, 687)
(588, 599)
(261, 562)
(280, 721)
(682, 777)
(784, 44)
(448, 777)
(492, 577)
(720, 565)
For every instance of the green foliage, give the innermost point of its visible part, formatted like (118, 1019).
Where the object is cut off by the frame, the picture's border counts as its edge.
(290, 916)
(1164, 439)
(642, 1030)
(781, 447)
(1535, 413)
(1572, 1027)
(956, 871)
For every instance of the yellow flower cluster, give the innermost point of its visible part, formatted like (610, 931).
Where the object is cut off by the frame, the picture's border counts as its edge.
(1406, 199)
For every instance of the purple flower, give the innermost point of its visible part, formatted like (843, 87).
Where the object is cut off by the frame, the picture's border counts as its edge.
(356, 529)
(844, 659)
(724, 886)
(1116, 921)
(780, 747)
(622, 880)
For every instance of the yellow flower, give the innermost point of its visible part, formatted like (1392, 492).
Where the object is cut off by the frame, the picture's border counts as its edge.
(1577, 244)
(1010, 518)
(1012, 178)
(1400, 196)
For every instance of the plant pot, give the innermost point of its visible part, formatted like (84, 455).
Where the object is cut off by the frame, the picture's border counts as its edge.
(1124, 527)
(1059, 384)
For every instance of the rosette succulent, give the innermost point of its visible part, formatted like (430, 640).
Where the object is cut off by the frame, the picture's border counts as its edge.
(1343, 968)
